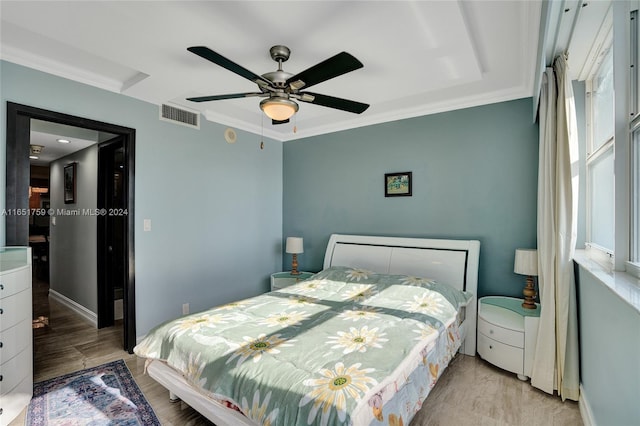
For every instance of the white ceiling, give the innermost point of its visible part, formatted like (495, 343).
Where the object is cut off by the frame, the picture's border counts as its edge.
(46, 135)
(420, 57)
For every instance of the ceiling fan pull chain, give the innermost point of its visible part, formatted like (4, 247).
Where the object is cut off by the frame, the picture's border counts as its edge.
(261, 131)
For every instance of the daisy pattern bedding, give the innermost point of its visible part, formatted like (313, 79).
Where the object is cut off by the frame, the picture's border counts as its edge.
(345, 347)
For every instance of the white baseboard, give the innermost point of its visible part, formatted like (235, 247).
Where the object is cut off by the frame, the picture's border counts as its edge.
(585, 409)
(76, 307)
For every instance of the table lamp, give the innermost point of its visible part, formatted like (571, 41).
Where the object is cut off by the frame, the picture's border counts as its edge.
(526, 263)
(294, 246)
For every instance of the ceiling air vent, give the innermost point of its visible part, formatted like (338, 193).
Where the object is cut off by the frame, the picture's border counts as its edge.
(180, 116)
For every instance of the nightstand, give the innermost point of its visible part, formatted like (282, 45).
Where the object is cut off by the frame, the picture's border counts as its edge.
(507, 333)
(285, 279)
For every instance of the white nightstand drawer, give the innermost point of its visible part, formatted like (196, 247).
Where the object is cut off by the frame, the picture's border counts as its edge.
(281, 283)
(501, 334)
(281, 280)
(504, 356)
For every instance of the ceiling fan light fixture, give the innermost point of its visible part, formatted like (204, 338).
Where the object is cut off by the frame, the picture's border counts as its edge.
(279, 109)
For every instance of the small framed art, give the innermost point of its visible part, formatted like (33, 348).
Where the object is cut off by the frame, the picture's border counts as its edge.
(70, 183)
(397, 184)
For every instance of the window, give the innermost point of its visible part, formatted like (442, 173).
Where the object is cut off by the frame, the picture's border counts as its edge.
(635, 185)
(634, 128)
(613, 142)
(600, 156)
(634, 31)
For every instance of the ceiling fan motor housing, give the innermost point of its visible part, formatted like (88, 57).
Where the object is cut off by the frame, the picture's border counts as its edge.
(278, 78)
(280, 53)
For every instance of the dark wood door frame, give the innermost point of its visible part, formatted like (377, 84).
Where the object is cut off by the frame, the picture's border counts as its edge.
(107, 271)
(17, 188)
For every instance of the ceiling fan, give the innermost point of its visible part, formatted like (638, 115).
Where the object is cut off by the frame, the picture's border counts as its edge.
(280, 88)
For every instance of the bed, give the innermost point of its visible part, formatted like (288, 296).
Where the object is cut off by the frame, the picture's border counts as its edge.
(362, 342)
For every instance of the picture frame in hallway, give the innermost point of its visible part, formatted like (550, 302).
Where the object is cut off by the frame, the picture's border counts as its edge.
(397, 184)
(70, 183)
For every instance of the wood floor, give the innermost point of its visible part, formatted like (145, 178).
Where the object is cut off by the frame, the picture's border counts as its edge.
(470, 391)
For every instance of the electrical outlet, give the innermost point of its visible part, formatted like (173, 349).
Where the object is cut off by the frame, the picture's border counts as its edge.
(185, 308)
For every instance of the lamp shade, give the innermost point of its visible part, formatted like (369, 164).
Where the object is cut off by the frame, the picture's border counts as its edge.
(279, 109)
(526, 262)
(294, 245)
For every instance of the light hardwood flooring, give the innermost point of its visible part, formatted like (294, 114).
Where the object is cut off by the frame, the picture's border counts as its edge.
(470, 391)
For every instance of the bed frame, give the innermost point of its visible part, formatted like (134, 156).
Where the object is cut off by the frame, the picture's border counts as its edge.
(454, 262)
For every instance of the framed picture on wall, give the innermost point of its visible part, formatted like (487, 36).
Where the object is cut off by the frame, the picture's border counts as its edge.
(397, 184)
(70, 183)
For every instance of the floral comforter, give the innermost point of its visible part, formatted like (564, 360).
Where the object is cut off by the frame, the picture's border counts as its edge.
(332, 350)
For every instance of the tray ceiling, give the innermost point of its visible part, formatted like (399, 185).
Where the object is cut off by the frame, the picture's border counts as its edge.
(420, 57)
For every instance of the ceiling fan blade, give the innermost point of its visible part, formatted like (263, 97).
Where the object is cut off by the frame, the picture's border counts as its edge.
(216, 58)
(274, 122)
(221, 97)
(333, 102)
(339, 64)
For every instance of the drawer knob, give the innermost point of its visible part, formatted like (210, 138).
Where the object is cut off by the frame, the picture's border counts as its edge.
(1, 344)
(0, 377)
(1, 286)
(490, 331)
(1, 311)
(490, 347)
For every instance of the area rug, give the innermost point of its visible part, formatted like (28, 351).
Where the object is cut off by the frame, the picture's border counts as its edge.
(102, 395)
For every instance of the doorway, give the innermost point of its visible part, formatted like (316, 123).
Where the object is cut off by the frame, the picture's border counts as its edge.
(17, 197)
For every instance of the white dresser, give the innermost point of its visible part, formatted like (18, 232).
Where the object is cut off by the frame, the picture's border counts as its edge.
(16, 344)
(507, 333)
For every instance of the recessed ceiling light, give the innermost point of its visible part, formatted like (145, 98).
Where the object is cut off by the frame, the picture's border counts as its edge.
(33, 157)
(64, 140)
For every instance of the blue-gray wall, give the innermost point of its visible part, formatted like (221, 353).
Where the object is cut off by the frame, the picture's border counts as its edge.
(474, 177)
(216, 208)
(609, 348)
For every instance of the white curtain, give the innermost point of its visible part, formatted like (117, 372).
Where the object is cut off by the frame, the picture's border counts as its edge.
(555, 365)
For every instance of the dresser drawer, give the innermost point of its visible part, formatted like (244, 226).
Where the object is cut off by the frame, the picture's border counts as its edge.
(504, 356)
(14, 282)
(15, 371)
(12, 404)
(14, 309)
(501, 334)
(15, 339)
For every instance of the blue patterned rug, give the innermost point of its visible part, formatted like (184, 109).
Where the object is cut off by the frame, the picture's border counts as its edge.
(102, 395)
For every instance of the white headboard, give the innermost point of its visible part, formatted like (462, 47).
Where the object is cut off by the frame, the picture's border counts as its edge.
(453, 262)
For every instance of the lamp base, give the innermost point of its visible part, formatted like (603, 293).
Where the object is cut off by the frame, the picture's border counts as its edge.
(294, 264)
(529, 294)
